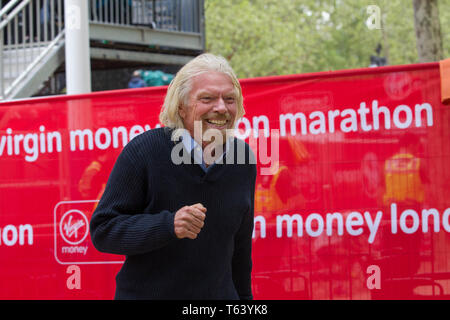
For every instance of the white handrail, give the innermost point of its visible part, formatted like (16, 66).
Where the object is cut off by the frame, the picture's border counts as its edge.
(30, 67)
(29, 30)
(8, 6)
(14, 13)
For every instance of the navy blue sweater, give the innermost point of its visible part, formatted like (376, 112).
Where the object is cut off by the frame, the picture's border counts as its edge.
(135, 217)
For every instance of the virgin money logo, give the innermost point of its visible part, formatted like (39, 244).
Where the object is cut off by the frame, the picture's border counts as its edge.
(398, 85)
(71, 229)
(74, 227)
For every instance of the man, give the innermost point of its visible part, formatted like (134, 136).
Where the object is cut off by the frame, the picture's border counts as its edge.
(185, 227)
(136, 81)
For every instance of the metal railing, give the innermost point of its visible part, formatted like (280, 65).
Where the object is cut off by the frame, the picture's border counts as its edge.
(29, 29)
(174, 15)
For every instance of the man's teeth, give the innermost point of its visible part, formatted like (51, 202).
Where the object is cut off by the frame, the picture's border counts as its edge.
(217, 122)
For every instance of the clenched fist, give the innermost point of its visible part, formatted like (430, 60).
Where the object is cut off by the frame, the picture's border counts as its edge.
(189, 220)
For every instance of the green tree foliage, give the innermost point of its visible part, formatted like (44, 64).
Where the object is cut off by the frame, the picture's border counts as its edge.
(275, 37)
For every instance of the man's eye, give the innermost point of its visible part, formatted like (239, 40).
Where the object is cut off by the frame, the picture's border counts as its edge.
(229, 99)
(206, 99)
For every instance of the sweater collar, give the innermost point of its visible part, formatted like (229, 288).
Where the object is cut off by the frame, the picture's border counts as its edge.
(196, 150)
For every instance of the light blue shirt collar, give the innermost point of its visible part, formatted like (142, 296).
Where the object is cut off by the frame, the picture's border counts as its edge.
(192, 146)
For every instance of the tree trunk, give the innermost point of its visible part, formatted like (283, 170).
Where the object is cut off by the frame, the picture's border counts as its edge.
(384, 33)
(428, 30)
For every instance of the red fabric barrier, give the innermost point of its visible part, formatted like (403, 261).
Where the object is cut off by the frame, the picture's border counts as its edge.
(351, 196)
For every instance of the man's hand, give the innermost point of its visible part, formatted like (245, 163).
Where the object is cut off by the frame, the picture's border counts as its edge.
(189, 220)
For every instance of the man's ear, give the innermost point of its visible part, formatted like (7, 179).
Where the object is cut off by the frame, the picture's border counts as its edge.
(181, 112)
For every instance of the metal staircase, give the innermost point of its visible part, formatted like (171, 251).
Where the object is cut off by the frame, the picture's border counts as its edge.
(32, 37)
(31, 48)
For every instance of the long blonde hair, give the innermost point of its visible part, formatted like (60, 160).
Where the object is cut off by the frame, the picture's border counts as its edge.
(180, 87)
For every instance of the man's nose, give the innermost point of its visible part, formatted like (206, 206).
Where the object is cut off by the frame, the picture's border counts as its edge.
(220, 106)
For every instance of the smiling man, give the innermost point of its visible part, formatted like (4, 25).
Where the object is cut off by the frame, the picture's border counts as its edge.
(211, 102)
(209, 116)
(185, 228)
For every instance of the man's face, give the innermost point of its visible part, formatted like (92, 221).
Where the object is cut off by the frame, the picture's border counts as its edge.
(212, 102)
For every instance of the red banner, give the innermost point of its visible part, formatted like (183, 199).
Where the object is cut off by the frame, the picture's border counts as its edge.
(350, 200)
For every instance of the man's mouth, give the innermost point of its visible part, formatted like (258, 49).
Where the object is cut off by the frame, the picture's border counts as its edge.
(217, 122)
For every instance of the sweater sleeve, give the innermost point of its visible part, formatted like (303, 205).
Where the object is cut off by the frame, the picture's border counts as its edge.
(242, 256)
(119, 224)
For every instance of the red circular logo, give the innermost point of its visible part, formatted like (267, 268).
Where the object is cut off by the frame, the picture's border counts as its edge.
(74, 227)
